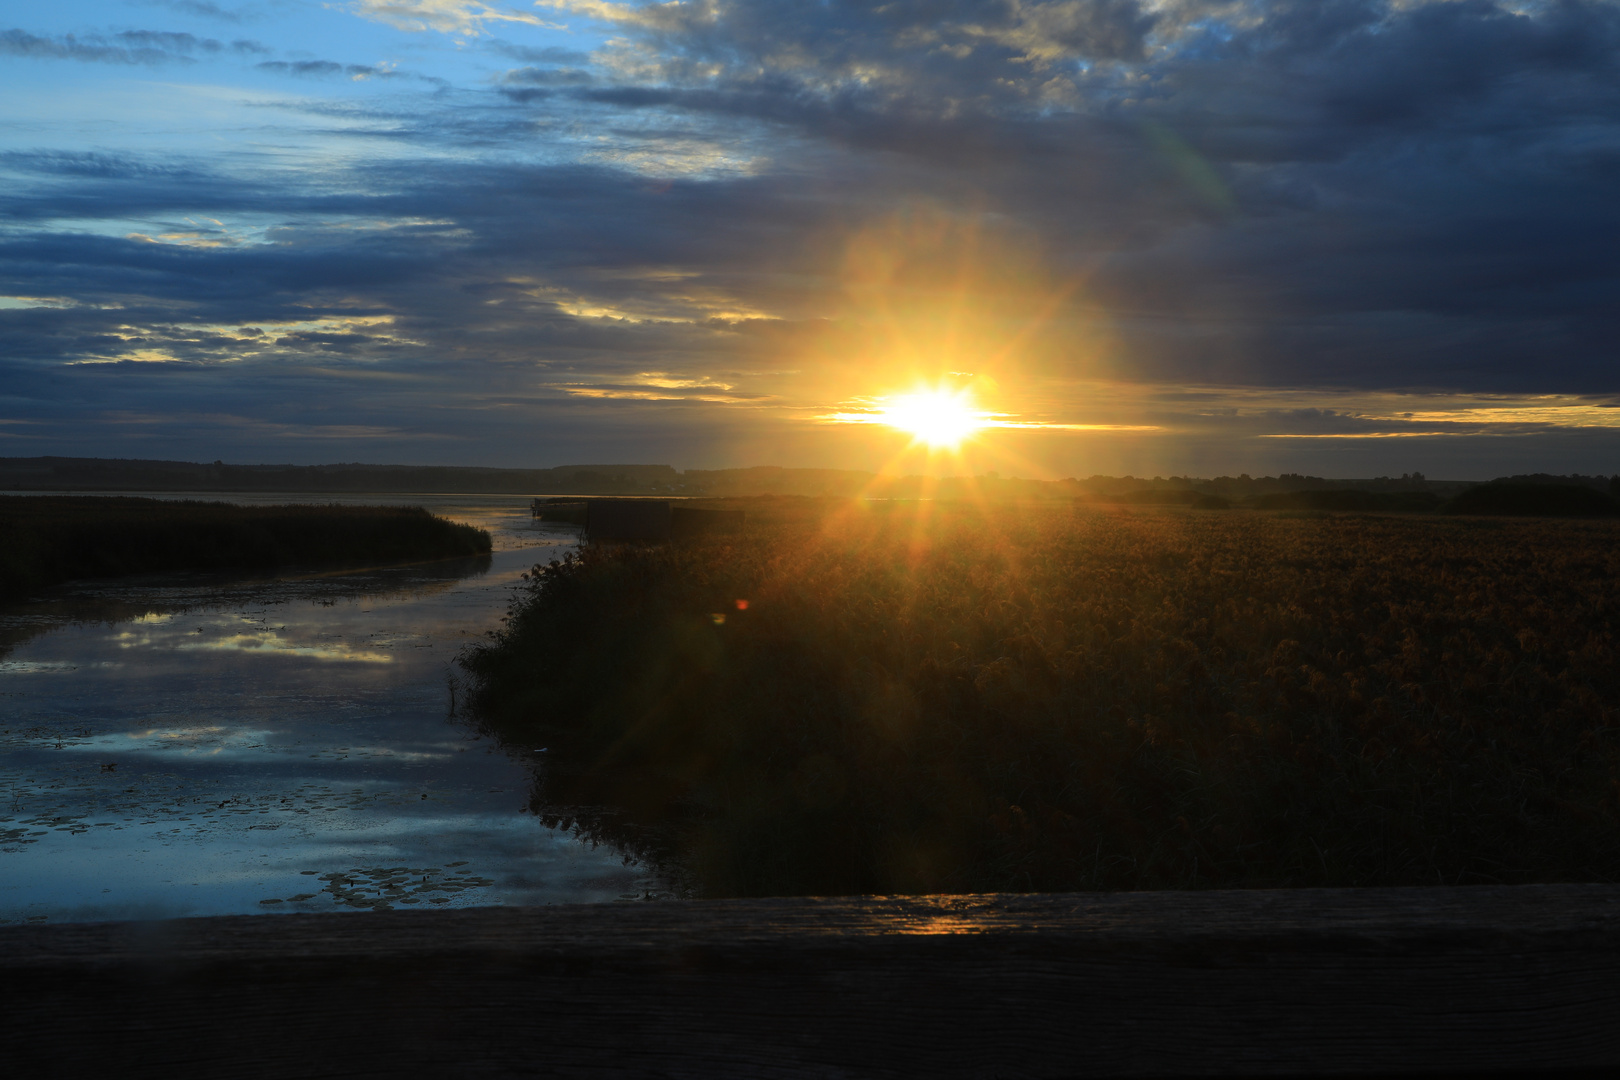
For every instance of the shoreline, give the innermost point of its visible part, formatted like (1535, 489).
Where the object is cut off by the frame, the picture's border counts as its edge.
(52, 539)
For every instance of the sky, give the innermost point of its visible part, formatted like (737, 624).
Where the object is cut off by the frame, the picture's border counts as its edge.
(1159, 237)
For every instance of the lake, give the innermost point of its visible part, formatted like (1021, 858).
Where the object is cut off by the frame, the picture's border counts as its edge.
(213, 744)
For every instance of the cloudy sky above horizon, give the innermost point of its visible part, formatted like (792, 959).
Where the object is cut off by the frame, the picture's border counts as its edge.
(1341, 237)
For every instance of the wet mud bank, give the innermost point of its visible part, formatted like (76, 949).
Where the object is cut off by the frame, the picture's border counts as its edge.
(1287, 982)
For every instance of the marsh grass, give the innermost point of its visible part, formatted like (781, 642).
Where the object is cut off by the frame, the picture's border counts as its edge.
(927, 698)
(48, 539)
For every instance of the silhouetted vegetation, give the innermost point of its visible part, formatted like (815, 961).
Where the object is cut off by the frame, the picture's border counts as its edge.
(1157, 497)
(1534, 500)
(99, 474)
(1349, 500)
(111, 474)
(1164, 496)
(48, 539)
(930, 698)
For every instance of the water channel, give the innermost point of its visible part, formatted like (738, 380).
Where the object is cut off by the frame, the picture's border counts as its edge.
(203, 744)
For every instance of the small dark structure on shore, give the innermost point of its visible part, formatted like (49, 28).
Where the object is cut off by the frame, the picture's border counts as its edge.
(627, 520)
(652, 521)
(560, 511)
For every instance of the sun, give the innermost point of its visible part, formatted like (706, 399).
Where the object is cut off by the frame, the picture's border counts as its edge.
(941, 418)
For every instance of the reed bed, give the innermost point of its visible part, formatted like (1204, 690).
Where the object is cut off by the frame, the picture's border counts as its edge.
(924, 698)
(49, 539)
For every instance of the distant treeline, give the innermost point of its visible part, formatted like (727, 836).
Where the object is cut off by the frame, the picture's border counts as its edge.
(98, 474)
(1329, 499)
(1531, 496)
(1535, 497)
(1245, 487)
(1408, 492)
(48, 539)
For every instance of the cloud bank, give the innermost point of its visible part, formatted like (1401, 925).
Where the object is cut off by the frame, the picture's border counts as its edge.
(1233, 224)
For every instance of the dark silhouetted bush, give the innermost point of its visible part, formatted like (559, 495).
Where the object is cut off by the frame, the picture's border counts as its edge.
(1349, 499)
(1157, 497)
(1534, 500)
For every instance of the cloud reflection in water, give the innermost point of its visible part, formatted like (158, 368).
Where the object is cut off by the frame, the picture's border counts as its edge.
(198, 746)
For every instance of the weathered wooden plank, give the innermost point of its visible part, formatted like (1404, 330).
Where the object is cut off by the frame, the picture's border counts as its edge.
(1376, 981)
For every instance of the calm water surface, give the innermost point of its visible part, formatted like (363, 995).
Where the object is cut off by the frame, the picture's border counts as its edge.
(199, 745)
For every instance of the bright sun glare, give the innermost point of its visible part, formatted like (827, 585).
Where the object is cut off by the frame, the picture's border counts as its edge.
(936, 417)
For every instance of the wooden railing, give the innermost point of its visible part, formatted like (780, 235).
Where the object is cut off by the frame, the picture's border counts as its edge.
(1312, 982)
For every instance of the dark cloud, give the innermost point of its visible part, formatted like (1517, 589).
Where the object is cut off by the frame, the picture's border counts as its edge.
(530, 84)
(1340, 191)
(166, 41)
(1354, 195)
(528, 55)
(533, 76)
(125, 47)
(974, 54)
(133, 47)
(325, 68)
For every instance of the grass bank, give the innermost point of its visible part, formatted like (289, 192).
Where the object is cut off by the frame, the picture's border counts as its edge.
(953, 699)
(47, 539)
